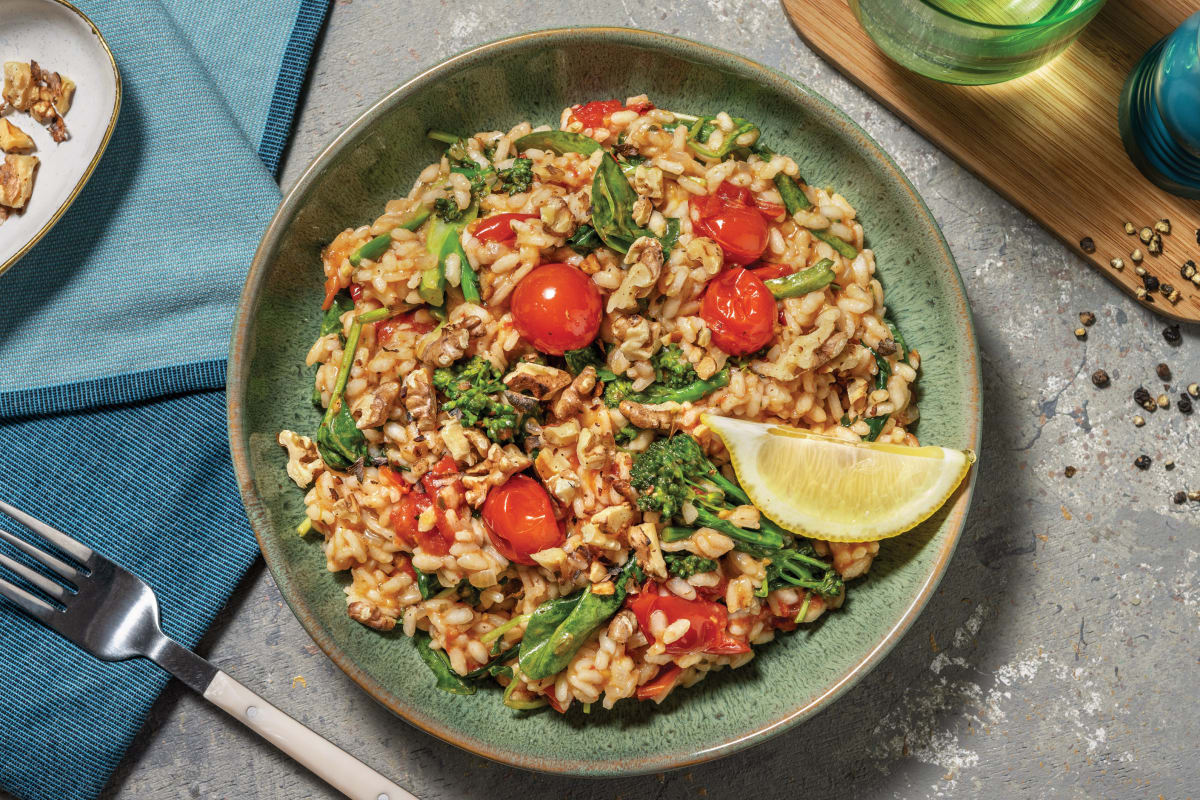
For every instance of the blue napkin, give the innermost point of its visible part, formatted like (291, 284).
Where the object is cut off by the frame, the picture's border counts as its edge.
(112, 349)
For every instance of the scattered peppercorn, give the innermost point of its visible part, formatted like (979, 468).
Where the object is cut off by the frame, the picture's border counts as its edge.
(1180, 497)
(1117, 263)
(1081, 333)
(1100, 378)
(1139, 421)
(1163, 226)
(1188, 269)
(1130, 228)
(1184, 404)
(1194, 389)
(1150, 282)
(1069, 472)
(1155, 245)
(1142, 397)
(1145, 234)
(1087, 245)
(1164, 401)
(1141, 294)
(1087, 318)
(1172, 335)
(1166, 289)
(1169, 464)
(1136, 256)
(1142, 462)
(1163, 372)
(1197, 235)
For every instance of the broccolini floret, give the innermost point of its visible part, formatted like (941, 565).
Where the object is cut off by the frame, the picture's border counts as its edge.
(672, 368)
(518, 177)
(685, 565)
(469, 388)
(447, 210)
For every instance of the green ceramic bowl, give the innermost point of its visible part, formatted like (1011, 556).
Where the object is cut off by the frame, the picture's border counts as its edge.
(532, 77)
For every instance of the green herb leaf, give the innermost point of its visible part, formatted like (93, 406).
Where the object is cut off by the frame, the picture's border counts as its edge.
(439, 664)
(332, 321)
(557, 141)
(584, 240)
(340, 442)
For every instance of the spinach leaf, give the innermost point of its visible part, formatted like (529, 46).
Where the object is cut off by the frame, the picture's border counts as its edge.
(584, 240)
(898, 337)
(427, 583)
(670, 237)
(332, 321)
(551, 653)
(702, 129)
(885, 371)
(612, 207)
(340, 442)
(543, 622)
(439, 664)
(495, 666)
(557, 141)
(579, 360)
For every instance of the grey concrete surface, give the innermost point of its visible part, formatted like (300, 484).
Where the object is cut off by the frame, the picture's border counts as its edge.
(1058, 659)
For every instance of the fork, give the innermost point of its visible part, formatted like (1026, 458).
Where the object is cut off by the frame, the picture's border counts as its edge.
(113, 614)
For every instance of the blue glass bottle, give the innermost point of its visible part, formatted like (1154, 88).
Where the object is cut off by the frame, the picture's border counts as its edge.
(1160, 111)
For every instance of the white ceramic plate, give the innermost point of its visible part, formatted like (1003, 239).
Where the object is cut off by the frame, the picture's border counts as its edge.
(60, 38)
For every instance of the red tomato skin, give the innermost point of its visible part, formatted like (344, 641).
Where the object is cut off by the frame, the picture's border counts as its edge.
(519, 516)
(707, 634)
(356, 292)
(660, 684)
(740, 311)
(404, 516)
(596, 113)
(385, 330)
(443, 474)
(498, 227)
(768, 271)
(740, 230)
(557, 308)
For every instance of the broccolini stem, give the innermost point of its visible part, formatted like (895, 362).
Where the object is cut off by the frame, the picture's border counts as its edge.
(804, 608)
(762, 538)
(442, 136)
(497, 632)
(730, 488)
(795, 200)
(371, 250)
(304, 527)
(688, 394)
(674, 533)
(818, 276)
(375, 315)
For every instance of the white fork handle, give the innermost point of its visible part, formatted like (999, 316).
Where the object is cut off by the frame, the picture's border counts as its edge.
(334, 765)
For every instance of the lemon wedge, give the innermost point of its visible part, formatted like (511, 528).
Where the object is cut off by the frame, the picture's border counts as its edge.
(825, 488)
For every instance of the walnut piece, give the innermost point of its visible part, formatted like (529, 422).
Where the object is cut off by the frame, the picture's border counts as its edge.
(45, 95)
(304, 462)
(575, 396)
(645, 260)
(16, 180)
(654, 417)
(19, 89)
(500, 465)
(376, 406)
(445, 345)
(370, 615)
(13, 139)
(644, 539)
(419, 399)
(537, 379)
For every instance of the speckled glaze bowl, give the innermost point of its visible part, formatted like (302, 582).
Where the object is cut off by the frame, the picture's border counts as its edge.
(532, 77)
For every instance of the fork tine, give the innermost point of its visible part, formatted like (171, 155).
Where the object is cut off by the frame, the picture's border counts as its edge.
(36, 608)
(64, 569)
(74, 549)
(36, 578)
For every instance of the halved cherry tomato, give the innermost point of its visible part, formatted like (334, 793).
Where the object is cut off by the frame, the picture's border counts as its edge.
(443, 474)
(739, 309)
(708, 631)
(557, 308)
(595, 113)
(520, 519)
(660, 684)
(404, 520)
(356, 292)
(768, 271)
(740, 230)
(740, 195)
(498, 227)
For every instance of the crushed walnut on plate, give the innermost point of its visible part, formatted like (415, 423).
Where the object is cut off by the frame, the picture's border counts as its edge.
(46, 96)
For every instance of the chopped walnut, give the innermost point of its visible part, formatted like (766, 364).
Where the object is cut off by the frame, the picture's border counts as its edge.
(645, 260)
(591, 450)
(614, 519)
(563, 434)
(574, 397)
(375, 406)
(304, 462)
(648, 182)
(16, 180)
(537, 379)
(644, 540)
(13, 139)
(447, 344)
(500, 465)
(419, 398)
(556, 217)
(45, 95)
(564, 486)
(62, 91)
(807, 351)
(370, 615)
(455, 440)
(642, 209)
(625, 489)
(653, 417)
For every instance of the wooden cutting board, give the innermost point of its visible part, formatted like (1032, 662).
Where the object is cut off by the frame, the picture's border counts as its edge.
(1048, 142)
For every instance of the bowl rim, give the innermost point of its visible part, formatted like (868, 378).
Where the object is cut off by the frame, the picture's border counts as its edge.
(967, 22)
(238, 371)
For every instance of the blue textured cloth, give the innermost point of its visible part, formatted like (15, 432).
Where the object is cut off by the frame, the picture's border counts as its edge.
(112, 360)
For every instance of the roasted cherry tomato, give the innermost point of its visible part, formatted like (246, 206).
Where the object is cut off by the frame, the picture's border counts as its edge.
(767, 271)
(739, 309)
(404, 518)
(557, 308)
(385, 330)
(498, 227)
(596, 113)
(443, 474)
(660, 684)
(356, 292)
(740, 195)
(708, 622)
(520, 519)
(740, 230)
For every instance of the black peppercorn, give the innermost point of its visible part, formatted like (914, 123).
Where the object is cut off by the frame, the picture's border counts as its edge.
(1088, 246)
(1179, 498)
(1185, 404)
(1164, 372)
(1069, 472)
(1142, 397)
(1150, 282)
(1172, 335)
(1100, 378)
(1142, 462)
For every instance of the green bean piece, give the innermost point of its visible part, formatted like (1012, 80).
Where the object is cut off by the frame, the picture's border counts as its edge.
(439, 664)
(442, 239)
(371, 249)
(843, 247)
(794, 200)
(557, 141)
(818, 276)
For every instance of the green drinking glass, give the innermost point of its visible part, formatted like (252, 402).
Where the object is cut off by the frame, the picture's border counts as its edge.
(974, 41)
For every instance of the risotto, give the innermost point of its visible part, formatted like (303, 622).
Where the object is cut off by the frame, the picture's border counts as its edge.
(513, 365)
